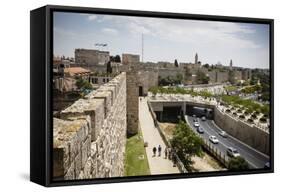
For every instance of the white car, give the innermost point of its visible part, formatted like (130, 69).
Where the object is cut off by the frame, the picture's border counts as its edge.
(232, 152)
(213, 139)
(196, 124)
(223, 134)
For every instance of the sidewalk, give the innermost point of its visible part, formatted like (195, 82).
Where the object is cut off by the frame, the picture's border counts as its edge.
(157, 165)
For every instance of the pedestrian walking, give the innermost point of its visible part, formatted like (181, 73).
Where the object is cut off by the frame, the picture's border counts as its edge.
(159, 150)
(166, 152)
(154, 151)
(169, 153)
(174, 159)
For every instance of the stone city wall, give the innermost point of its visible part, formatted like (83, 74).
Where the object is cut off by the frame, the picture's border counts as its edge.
(173, 72)
(147, 79)
(132, 103)
(89, 138)
(249, 134)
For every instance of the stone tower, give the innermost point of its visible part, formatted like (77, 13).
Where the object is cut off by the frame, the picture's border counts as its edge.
(196, 59)
(230, 64)
(132, 102)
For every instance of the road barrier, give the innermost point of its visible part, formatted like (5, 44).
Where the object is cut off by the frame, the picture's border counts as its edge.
(221, 157)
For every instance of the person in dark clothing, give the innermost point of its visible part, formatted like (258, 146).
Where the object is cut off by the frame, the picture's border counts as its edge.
(174, 158)
(159, 150)
(154, 151)
(169, 153)
(166, 152)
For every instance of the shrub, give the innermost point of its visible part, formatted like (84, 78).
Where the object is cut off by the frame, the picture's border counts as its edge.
(238, 164)
(250, 120)
(263, 120)
(253, 116)
(265, 116)
(256, 113)
(241, 116)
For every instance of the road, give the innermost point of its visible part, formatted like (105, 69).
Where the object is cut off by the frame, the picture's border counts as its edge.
(255, 158)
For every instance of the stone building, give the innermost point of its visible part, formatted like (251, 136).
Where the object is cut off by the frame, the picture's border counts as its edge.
(130, 59)
(246, 74)
(91, 57)
(99, 80)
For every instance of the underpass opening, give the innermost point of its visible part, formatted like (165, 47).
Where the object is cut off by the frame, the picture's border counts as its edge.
(200, 112)
(169, 114)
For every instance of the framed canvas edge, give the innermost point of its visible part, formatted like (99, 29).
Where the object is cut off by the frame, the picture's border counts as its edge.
(48, 65)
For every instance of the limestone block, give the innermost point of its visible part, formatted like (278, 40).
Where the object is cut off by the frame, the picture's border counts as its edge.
(81, 175)
(70, 174)
(88, 169)
(92, 107)
(77, 165)
(75, 147)
(107, 97)
(93, 149)
(109, 89)
(85, 151)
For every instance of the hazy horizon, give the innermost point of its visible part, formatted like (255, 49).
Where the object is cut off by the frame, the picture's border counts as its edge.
(165, 39)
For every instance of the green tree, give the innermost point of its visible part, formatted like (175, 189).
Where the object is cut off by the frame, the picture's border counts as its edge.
(117, 59)
(238, 164)
(186, 144)
(206, 65)
(83, 84)
(179, 78)
(202, 78)
(176, 63)
(108, 68)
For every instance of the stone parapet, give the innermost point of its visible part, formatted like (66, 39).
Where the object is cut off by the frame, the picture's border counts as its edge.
(90, 137)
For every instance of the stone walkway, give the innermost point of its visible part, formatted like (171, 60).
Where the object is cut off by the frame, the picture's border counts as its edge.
(157, 165)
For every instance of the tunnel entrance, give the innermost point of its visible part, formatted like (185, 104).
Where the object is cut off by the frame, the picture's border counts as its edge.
(169, 114)
(200, 112)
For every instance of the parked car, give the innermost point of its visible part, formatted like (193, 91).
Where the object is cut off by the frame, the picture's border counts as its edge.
(196, 124)
(203, 118)
(213, 139)
(232, 152)
(200, 130)
(267, 165)
(223, 134)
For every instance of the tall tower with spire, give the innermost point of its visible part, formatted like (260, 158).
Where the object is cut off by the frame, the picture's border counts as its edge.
(196, 59)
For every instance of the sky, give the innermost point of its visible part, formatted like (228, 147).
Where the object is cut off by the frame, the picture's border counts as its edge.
(164, 39)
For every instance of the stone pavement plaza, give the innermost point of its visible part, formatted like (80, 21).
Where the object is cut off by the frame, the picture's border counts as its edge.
(157, 165)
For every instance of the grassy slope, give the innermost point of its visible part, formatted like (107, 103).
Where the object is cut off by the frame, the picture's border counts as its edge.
(135, 166)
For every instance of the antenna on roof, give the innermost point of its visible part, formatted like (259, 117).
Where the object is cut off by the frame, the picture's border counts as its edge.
(142, 47)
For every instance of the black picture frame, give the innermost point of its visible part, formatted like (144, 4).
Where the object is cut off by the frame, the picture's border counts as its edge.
(41, 53)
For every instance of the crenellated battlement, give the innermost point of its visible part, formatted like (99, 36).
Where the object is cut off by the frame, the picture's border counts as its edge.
(90, 136)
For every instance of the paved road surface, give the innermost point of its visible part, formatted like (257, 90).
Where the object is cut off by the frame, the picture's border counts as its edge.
(157, 165)
(255, 159)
